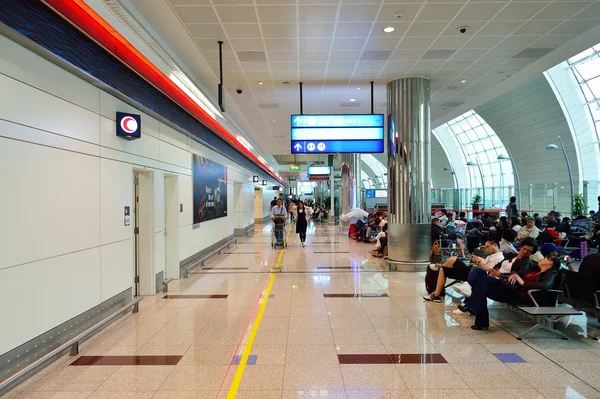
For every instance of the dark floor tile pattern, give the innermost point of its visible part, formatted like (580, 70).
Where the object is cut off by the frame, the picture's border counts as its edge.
(384, 295)
(251, 360)
(225, 268)
(509, 358)
(405, 358)
(162, 360)
(338, 267)
(213, 296)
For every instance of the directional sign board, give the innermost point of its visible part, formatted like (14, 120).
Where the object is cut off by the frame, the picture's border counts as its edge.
(330, 134)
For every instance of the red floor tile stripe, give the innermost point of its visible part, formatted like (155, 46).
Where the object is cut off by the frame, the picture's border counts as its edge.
(406, 358)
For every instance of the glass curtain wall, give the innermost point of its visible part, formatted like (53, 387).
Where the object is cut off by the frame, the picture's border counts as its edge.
(479, 144)
(586, 68)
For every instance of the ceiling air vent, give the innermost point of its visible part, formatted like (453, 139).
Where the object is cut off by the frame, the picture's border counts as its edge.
(533, 53)
(251, 56)
(376, 55)
(438, 54)
(350, 105)
(269, 106)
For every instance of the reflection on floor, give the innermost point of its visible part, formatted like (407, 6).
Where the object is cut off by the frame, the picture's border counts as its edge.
(336, 324)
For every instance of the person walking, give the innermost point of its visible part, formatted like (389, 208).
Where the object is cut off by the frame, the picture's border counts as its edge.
(302, 216)
(292, 210)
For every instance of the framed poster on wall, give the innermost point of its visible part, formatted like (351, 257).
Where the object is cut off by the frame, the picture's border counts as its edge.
(210, 189)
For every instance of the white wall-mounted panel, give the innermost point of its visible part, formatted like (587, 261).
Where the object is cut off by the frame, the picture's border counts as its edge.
(51, 204)
(146, 146)
(172, 136)
(159, 200)
(116, 190)
(159, 252)
(29, 106)
(117, 268)
(124, 157)
(32, 69)
(175, 155)
(49, 293)
(109, 106)
(35, 136)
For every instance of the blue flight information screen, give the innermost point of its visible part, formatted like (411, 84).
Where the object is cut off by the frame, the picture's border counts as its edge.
(330, 134)
(370, 193)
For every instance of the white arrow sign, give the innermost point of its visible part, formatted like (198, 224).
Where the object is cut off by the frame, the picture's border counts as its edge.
(297, 120)
(298, 147)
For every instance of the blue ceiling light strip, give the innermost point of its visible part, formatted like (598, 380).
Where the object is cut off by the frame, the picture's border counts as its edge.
(37, 22)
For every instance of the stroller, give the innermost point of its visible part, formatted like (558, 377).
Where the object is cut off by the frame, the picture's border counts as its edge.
(278, 239)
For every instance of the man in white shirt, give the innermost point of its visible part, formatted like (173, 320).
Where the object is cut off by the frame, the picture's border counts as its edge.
(456, 269)
(443, 217)
(279, 210)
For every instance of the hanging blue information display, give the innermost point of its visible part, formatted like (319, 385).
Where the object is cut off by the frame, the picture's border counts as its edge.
(330, 134)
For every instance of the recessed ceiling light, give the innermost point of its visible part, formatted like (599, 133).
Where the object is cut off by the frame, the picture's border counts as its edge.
(352, 100)
(389, 29)
(261, 83)
(358, 89)
(463, 81)
(273, 121)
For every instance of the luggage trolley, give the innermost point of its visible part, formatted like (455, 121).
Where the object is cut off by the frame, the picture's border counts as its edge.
(278, 238)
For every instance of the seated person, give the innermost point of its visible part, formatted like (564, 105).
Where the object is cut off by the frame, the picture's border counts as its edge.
(594, 240)
(515, 224)
(381, 245)
(476, 221)
(506, 243)
(551, 231)
(462, 217)
(382, 233)
(590, 265)
(524, 217)
(487, 220)
(497, 285)
(436, 230)
(529, 230)
(564, 226)
(443, 217)
(456, 269)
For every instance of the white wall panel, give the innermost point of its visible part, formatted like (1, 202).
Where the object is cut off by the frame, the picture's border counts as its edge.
(439, 177)
(31, 135)
(43, 294)
(124, 157)
(54, 202)
(175, 155)
(32, 107)
(116, 190)
(117, 268)
(172, 136)
(159, 252)
(32, 69)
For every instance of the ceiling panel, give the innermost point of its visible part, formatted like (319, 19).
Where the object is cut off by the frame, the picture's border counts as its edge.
(335, 46)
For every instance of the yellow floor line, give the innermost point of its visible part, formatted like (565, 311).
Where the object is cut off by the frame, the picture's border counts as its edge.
(239, 374)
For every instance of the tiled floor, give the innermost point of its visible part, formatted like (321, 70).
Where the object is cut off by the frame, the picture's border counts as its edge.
(336, 324)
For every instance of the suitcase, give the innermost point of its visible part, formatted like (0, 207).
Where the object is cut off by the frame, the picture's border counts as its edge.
(431, 278)
(352, 230)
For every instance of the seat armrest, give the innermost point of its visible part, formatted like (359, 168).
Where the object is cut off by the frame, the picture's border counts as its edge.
(530, 293)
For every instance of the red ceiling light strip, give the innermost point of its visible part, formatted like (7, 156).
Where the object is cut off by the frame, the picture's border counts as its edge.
(87, 20)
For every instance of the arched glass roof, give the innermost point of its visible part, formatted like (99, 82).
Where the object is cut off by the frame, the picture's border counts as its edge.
(378, 168)
(586, 68)
(478, 143)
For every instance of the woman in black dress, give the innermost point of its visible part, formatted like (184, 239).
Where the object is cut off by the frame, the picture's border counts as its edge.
(301, 222)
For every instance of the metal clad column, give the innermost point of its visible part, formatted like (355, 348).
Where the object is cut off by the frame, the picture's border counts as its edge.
(356, 180)
(346, 185)
(409, 173)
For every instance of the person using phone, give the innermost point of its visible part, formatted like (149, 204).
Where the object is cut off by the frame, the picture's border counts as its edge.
(456, 269)
(487, 284)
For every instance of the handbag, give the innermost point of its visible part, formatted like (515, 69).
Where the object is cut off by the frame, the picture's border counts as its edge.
(504, 280)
